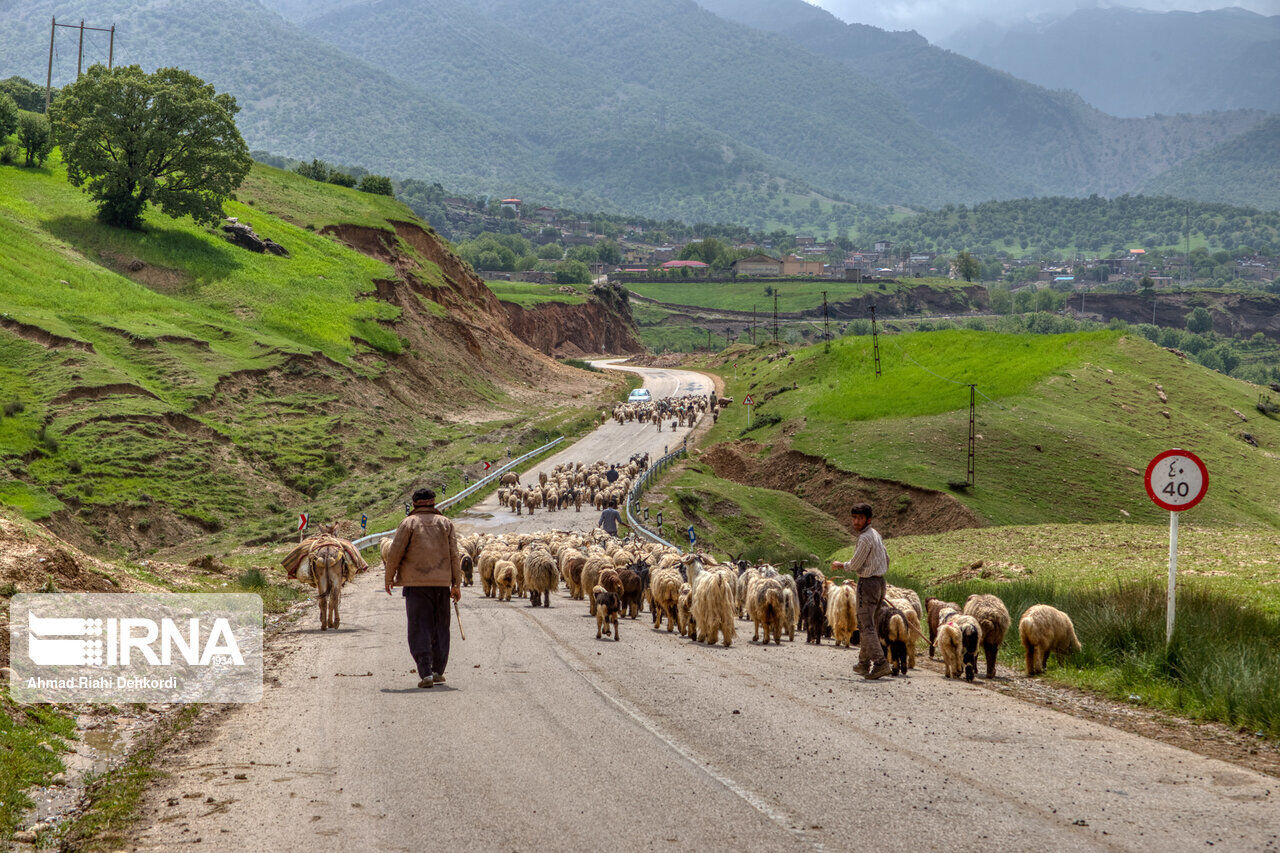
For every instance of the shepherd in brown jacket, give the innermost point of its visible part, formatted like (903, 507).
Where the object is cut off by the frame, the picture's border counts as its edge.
(424, 560)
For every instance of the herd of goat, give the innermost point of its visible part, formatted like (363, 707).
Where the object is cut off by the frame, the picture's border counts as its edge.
(681, 411)
(703, 599)
(571, 485)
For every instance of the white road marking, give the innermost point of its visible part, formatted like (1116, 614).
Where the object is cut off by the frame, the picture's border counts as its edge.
(756, 801)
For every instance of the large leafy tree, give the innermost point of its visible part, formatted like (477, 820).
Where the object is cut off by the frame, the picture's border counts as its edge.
(131, 139)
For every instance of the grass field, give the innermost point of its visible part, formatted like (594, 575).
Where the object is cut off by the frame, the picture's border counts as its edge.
(193, 388)
(527, 294)
(793, 295)
(1111, 579)
(1065, 422)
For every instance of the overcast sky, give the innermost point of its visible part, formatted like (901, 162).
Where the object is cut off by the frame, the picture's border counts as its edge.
(937, 19)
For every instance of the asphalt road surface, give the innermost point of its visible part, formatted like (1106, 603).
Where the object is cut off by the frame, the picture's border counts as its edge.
(612, 442)
(546, 738)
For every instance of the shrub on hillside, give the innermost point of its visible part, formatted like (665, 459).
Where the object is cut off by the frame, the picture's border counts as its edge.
(342, 179)
(8, 115)
(377, 184)
(36, 138)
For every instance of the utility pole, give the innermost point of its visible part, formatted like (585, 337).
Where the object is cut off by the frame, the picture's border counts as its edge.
(1186, 262)
(875, 340)
(775, 315)
(726, 338)
(53, 29)
(753, 324)
(48, 80)
(708, 340)
(972, 431)
(826, 325)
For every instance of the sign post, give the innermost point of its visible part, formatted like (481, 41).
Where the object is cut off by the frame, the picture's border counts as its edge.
(749, 403)
(303, 520)
(693, 537)
(364, 522)
(1176, 480)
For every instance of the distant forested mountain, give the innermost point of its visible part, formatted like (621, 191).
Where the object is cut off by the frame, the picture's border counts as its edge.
(1050, 139)
(1091, 225)
(298, 95)
(1132, 62)
(664, 108)
(640, 99)
(1243, 170)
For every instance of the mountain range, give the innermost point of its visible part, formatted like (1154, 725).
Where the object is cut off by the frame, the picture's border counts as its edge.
(1133, 62)
(665, 108)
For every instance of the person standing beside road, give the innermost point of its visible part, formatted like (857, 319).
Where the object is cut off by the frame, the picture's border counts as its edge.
(424, 560)
(870, 562)
(611, 518)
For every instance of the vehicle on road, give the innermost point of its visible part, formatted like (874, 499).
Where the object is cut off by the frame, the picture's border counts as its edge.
(640, 395)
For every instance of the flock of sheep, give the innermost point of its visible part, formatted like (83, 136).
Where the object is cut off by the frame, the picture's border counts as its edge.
(681, 411)
(571, 484)
(704, 599)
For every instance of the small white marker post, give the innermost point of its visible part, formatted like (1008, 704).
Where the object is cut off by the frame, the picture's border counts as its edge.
(1176, 480)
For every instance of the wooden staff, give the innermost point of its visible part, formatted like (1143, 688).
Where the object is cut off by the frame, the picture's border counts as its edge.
(459, 615)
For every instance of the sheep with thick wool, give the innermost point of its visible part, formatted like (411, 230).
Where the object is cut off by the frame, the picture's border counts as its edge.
(591, 569)
(766, 608)
(541, 576)
(958, 640)
(1045, 629)
(993, 618)
(712, 608)
(664, 596)
(571, 562)
(504, 579)
(842, 613)
(684, 611)
(938, 610)
(911, 628)
(895, 635)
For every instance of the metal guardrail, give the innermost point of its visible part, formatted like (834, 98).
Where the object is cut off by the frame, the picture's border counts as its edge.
(365, 541)
(637, 489)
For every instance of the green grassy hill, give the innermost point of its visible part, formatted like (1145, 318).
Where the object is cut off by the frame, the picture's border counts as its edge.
(164, 385)
(1064, 422)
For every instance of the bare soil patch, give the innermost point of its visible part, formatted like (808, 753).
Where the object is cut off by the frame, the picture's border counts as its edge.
(901, 509)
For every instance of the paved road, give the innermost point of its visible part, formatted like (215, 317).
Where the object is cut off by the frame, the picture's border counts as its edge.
(611, 443)
(547, 738)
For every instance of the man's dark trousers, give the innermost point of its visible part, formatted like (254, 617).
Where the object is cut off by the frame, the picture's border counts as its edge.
(428, 610)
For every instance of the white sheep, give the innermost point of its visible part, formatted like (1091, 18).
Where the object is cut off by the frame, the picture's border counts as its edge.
(993, 618)
(842, 613)
(958, 641)
(1045, 629)
(712, 608)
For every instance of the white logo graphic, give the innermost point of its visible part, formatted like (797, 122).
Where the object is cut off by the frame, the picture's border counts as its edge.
(46, 646)
(165, 647)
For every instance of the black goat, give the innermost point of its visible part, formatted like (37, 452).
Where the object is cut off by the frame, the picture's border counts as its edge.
(813, 615)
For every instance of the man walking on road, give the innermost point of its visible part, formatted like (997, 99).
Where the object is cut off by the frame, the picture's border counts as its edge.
(611, 518)
(871, 563)
(424, 560)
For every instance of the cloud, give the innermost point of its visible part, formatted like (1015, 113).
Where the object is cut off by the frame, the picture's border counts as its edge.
(937, 19)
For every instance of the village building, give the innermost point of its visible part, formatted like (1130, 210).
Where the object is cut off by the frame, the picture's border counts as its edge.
(797, 266)
(758, 265)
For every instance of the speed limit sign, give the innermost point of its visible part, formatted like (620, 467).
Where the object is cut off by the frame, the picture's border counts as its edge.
(1177, 480)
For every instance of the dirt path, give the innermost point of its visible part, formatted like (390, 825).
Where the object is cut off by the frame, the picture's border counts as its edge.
(545, 737)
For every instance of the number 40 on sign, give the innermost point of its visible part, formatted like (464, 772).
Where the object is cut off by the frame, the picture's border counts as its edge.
(1176, 480)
